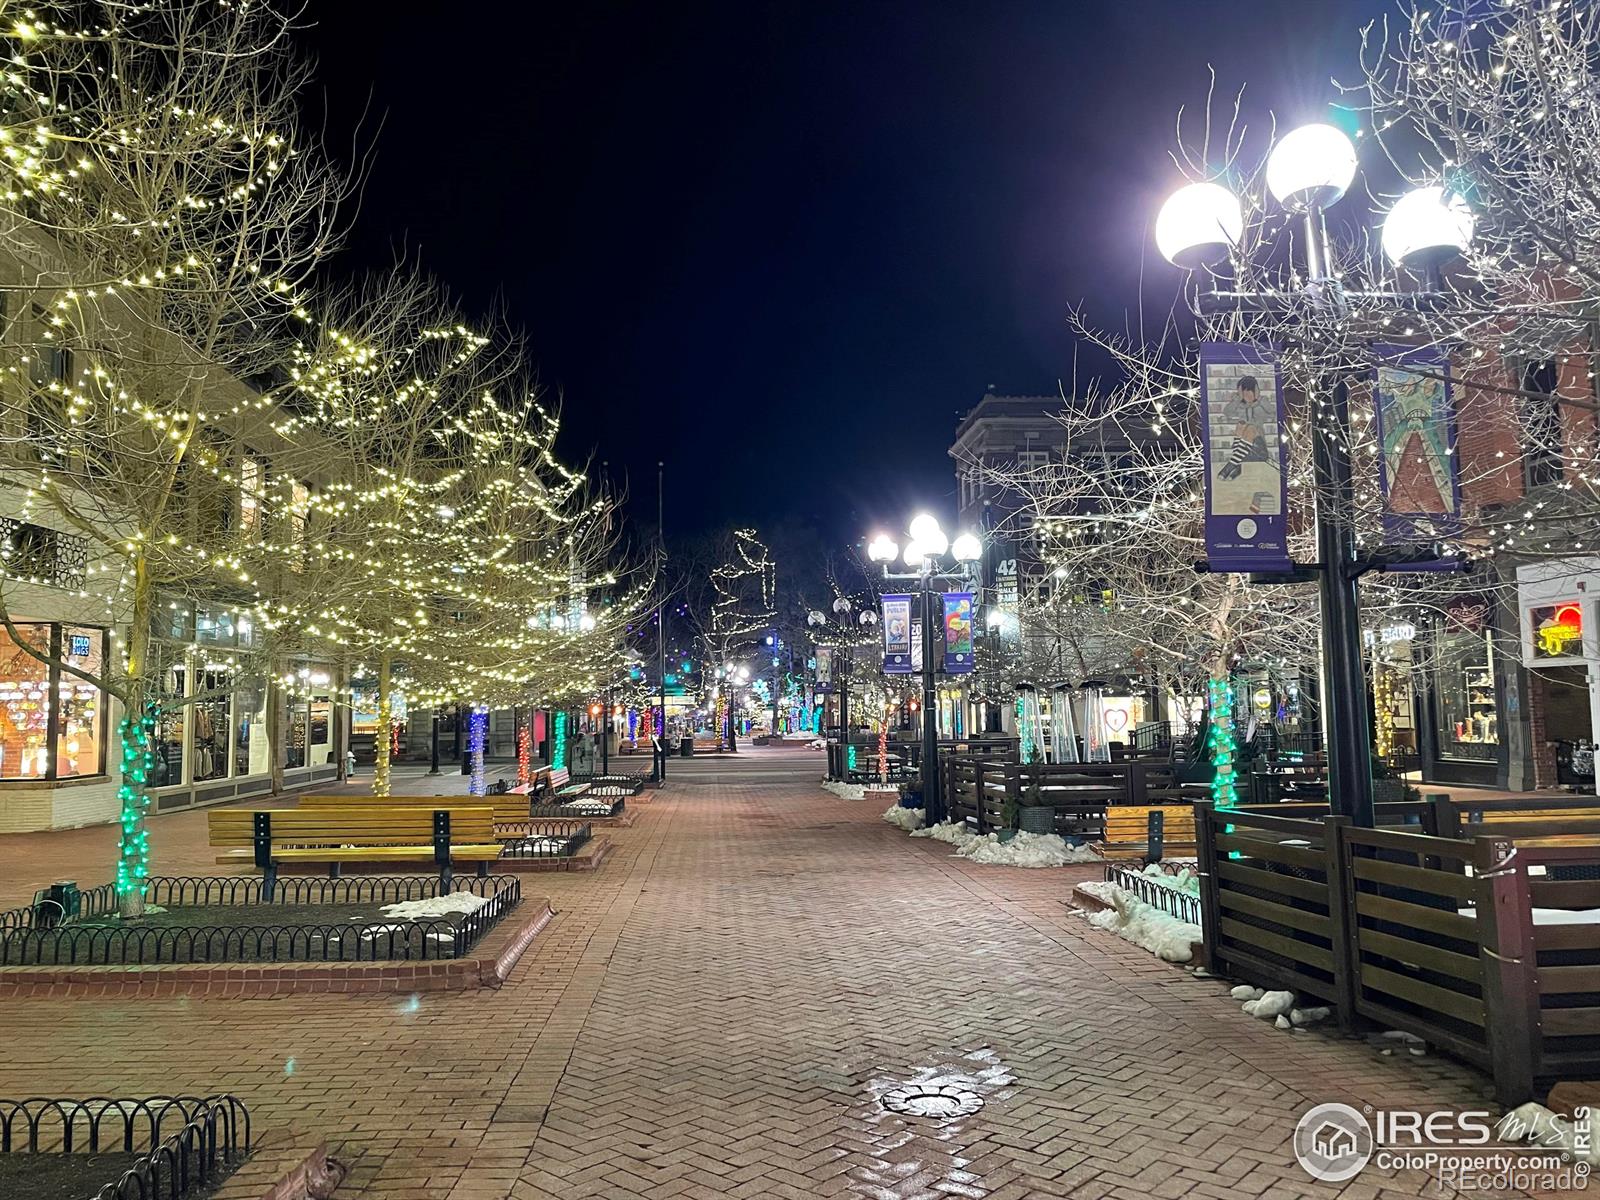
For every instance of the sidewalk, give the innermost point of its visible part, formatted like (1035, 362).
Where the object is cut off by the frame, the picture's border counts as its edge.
(716, 1012)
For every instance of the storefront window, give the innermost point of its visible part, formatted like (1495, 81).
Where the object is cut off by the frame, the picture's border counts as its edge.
(79, 739)
(172, 687)
(24, 705)
(1469, 726)
(310, 728)
(250, 747)
(209, 743)
(29, 722)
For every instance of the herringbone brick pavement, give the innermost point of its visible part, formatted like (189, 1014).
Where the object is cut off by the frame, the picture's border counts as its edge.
(714, 1013)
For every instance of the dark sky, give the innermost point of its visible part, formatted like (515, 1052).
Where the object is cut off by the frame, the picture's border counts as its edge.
(780, 246)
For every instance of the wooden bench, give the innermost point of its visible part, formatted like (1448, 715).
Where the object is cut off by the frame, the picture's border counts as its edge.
(1128, 831)
(558, 784)
(509, 808)
(362, 833)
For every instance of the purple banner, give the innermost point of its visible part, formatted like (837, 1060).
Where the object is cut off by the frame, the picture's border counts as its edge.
(1415, 424)
(958, 633)
(1241, 401)
(897, 639)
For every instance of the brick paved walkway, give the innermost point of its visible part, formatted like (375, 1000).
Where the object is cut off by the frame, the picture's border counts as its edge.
(713, 1013)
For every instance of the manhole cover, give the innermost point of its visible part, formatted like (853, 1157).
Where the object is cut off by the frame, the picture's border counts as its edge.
(941, 1103)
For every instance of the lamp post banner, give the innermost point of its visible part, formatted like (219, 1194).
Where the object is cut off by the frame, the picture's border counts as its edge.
(897, 640)
(1241, 400)
(957, 633)
(1416, 429)
(824, 679)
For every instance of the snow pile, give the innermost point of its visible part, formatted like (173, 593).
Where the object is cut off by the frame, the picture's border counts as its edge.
(1025, 850)
(1185, 881)
(1539, 1126)
(434, 906)
(954, 833)
(1281, 1008)
(588, 808)
(845, 791)
(816, 744)
(903, 818)
(1145, 925)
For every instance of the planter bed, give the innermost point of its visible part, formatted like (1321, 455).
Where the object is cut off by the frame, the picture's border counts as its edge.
(127, 1149)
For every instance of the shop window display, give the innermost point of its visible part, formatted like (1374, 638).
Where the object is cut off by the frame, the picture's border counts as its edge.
(1469, 725)
(79, 739)
(209, 737)
(173, 686)
(52, 722)
(250, 747)
(24, 705)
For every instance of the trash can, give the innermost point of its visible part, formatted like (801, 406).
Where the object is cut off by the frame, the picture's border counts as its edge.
(686, 747)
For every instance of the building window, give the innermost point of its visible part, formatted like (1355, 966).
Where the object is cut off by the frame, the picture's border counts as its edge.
(251, 753)
(310, 725)
(43, 555)
(80, 740)
(1469, 724)
(252, 481)
(170, 691)
(208, 754)
(40, 739)
(1541, 425)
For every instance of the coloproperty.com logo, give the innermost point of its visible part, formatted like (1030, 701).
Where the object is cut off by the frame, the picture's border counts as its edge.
(1471, 1150)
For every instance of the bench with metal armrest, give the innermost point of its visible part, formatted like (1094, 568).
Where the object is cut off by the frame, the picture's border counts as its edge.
(1128, 831)
(356, 834)
(509, 807)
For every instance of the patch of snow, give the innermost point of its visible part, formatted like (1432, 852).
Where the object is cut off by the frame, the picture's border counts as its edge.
(1309, 1016)
(1145, 925)
(1245, 992)
(904, 818)
(845, 791)
(1553, 916)
(1539, 1126)
(433, 906)
(1282, 1022)
(1184, 880)
(1025, 850)
(954, 833)
(1270, 1005)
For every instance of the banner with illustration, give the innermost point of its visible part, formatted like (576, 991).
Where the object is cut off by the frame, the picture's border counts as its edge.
(957, 633)
(897, 642)
(1246, 488)
(1415, 424)
(824, 671)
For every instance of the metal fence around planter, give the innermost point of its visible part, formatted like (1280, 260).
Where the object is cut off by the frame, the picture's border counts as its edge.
(612, 785)
(548, 839)
(80, 942)
(1483, 946)
(212, 1133)
(577, 810)
(1183, 905)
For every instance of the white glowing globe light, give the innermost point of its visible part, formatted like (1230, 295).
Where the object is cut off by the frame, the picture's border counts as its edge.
(936, 544)
(1199, 225)
(993, 618)
(915, 554)
(1427, 226)
(925, 528)
(586, 622)
(883, 549)
(967, 548)
(1311, 167)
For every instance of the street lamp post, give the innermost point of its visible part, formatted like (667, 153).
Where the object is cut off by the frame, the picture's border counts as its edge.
(926, 546)
(817, 619)
(1201, 226)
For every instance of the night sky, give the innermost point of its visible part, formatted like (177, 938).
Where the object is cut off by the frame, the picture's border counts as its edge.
(781, 246)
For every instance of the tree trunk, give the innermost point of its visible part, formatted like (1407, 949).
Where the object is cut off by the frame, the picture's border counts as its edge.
(136, 734)
(1220, 736)
(380, 761)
